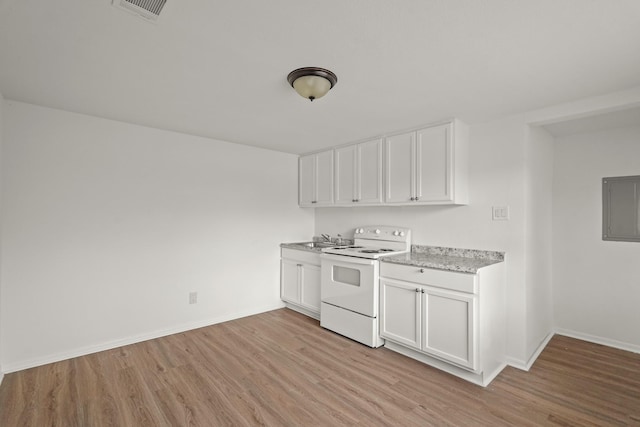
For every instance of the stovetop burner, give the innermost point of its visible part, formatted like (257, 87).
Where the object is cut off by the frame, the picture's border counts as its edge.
(373, 242)
(363, 251)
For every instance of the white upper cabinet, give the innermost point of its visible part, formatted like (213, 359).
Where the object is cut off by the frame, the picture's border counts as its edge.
(369, 176)
(358, 173)
(427, 166)
(345, 180)
(307, 180)
(399, 168)
(315, 179)
(324, 178)
(434, 164)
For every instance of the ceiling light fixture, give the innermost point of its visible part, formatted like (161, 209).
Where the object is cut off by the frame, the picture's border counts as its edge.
(312, 82)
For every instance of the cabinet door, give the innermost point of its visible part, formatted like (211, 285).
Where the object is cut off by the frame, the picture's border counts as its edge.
(448, 320)
(324, 178)
(289, 278)
(400, 312)
(310, 287)
(369, 172)
(399, 168)
(345, 166)
(434, 174)
(306, 180)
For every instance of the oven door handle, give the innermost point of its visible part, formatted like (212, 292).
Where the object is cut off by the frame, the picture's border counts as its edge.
(347, 259)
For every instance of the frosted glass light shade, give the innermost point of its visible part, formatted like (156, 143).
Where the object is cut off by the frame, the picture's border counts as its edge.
(312, 82)
(312, 87)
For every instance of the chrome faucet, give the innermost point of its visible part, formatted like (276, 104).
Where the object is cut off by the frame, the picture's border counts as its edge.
(326, 237)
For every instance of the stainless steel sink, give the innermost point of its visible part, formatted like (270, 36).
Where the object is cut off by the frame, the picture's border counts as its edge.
(317, 244)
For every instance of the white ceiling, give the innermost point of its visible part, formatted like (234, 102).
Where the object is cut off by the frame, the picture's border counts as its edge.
(593, 123)
(218, 68)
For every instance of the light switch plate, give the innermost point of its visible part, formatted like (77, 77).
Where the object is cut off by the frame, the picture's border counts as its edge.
(500, 213)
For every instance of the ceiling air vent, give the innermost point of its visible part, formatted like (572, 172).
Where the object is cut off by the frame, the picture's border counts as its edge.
(147, 9)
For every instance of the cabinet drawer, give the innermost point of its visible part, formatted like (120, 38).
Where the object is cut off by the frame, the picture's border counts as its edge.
(461, 282)
(301, 256)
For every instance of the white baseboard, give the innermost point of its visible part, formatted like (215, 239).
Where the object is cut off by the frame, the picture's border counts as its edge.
(599, 340)
(303, 310)
(1, 377)
(526, 365)
(83, 351)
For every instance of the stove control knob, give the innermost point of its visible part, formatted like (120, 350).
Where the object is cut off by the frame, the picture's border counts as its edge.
(396, 233)
(402, 233)
(377, 231)
(360, 230)
(357, 231)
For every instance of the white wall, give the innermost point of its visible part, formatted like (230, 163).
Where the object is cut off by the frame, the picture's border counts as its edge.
(596, 283)
(538, 248)
(1, 133)
(108, 226)
(496, 178)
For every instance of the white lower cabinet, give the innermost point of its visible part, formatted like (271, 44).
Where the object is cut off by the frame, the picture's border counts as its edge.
(449, 319)
(438, 322)
(300, 281)
(401, 313)
(453, 321)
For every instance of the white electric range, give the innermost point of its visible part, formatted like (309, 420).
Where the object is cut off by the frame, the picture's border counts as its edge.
(349, 290)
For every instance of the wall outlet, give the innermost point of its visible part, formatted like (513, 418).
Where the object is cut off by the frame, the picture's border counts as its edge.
(193, 297)
(500, 213)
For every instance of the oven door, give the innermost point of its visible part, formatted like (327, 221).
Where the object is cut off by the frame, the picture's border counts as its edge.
(350, 283)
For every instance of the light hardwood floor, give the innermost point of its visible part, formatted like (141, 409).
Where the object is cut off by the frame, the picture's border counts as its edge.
(281, 369)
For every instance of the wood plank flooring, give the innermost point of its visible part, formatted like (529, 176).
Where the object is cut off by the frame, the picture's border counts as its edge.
(281, 369)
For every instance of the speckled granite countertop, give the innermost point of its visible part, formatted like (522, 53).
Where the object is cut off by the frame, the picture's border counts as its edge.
(449, 259)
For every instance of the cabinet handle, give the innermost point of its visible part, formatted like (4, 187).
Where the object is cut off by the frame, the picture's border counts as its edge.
(421, 270)
(413, 198)
(315, 201)
(423, 291)
(299, 265)
(416, 199)
(417, 290)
